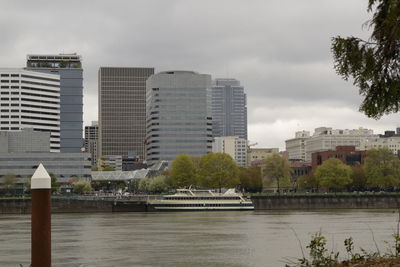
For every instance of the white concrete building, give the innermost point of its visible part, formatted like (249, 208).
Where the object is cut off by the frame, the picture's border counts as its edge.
(325, 138)
(234, 146)
(30, 99)
(296, 147)
(391, 143)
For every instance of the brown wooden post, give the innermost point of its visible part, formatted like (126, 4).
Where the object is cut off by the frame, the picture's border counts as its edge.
(41, 218)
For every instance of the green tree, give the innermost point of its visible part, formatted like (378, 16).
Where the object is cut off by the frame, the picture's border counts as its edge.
(144, 185)
(382, 168)
(183, 172)
(250, 179)
(218, 170)
(54, 184)
(108, 169)
(82, 187)
(374, 64)
(9, 181)
(333, 174)
(277, 172)
(308, 181)
(157, 184)
(358, 177)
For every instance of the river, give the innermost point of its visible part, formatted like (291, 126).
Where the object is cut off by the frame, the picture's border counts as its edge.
(260, 238)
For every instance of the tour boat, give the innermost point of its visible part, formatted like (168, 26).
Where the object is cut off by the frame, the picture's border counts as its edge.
(202, 200)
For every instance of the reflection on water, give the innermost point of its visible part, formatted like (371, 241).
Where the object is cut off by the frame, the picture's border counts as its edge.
(261, 238)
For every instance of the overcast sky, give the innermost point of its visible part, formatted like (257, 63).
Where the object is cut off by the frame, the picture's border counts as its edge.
(279, 50)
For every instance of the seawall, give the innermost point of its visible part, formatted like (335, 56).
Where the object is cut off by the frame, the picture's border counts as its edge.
(293, 202)
(70, 205)
(274, 202)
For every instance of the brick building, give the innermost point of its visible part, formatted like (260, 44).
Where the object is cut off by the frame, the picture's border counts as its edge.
(347, 154)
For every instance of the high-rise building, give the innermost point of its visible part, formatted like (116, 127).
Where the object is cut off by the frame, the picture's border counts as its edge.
(69, 68)
(91, 141)
(296, 147)
(30, 100)
(178, 115)
(122, 112)
(234, 146)
(229, 108)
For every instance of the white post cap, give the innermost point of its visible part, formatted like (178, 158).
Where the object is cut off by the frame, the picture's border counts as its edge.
(41, 179)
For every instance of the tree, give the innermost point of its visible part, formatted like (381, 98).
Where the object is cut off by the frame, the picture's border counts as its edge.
(9, 181)
(277, 171)
(144, 185)
(54, 184)
(333, 174)
(382, 168)
(183, 172)
(108, 169)
(374, 64)
(250, 179)
(157, 184)
(358, 177)
(308, 181)
(218, 170)
(82, 187)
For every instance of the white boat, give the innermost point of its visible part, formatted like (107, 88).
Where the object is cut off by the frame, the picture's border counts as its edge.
(202, 200)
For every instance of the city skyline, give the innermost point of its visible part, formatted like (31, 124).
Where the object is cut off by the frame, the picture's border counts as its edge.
(287, 69)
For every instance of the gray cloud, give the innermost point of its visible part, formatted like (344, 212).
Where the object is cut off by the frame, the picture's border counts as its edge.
(278, 49)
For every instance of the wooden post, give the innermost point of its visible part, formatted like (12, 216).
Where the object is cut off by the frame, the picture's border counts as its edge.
(41, 218)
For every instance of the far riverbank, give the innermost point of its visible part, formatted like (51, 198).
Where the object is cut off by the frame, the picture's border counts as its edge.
(80, 204)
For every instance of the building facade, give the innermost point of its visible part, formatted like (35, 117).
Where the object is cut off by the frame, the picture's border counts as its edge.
(325, 139)
(229, 108)
(91, 141)
(347, 154)
(260, 154)
(392, 143)
(111, 161)
(234, 146)
(69, 68)
(30, 99)
(122, 111)
(22, 151)
(178, 115)
(296, 147)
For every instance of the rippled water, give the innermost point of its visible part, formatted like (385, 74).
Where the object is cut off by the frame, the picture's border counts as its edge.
(266, 238)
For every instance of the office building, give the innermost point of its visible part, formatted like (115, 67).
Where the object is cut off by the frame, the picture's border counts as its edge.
(347, 154)
(234, 146)
(229, 108)
(260, 154)
(325, 139)
(178, 115)
(30, 100)
(122, 112)
(296, 147)
(111, 161)
(22, 151)
(91, 141)
(69, 68)
(392, 143)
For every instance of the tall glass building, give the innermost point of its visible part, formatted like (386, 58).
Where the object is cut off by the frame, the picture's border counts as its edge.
(178, 109)
(229, 108)
(69, 67)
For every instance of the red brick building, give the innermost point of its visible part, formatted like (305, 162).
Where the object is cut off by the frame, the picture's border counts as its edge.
(347, 154)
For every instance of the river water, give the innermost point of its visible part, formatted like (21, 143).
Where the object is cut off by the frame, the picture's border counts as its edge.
(259, 238)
